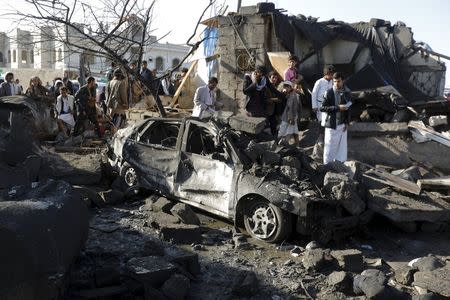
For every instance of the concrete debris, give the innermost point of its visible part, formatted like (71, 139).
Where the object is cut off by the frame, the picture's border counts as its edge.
(162, 204)
(185, 214)
(372, 283)
(405, 275)
(245, 284)
(314, 259)
(176, 287)
(240, 242)
(376, 129)
(186, 260)
(340, 281)
(436, 121)
(181, 233)
(42, 231)
(150, 270)
(428, 263)
(247, 124)
(437, 281)
(111, 197)
(344, 190)
(350, 260)
(312, 245)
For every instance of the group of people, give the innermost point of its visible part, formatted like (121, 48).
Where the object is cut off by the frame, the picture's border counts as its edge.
(279, 101)
(10, 86)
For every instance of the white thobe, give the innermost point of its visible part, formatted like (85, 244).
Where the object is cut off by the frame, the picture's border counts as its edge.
(320, 87)
(335, 144)
(204, 100)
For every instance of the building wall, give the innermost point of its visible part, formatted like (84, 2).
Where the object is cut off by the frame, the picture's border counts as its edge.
(237, 35)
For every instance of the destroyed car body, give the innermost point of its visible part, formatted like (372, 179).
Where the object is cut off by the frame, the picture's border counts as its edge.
(204, 165)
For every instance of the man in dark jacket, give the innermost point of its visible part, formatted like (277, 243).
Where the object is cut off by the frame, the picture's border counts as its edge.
(336, 105)
(147, 78)
(256, 88)
(85, 104)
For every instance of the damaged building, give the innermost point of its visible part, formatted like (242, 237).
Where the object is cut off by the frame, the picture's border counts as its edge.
(373, 55)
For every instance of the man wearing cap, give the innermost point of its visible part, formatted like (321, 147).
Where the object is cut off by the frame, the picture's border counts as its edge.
(117, 99)
(336, 104)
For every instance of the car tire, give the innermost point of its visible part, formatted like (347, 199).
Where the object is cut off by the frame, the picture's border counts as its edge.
(267, 222)
(129, 176)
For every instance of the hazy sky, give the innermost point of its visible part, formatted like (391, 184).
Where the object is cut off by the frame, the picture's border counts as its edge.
(429, 20)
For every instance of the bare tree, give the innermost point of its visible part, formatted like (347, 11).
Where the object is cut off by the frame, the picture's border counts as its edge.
(115, 29)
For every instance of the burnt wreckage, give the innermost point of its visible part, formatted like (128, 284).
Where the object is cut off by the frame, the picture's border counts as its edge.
(242, 177)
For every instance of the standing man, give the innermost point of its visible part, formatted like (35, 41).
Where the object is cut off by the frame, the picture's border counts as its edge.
(336, 104)
(7, 88)
(256, 87)
(320, 88)
(205, 99)
(86, 110)
(64, 107)
(147, 77)
(18, 87)
(117, 99)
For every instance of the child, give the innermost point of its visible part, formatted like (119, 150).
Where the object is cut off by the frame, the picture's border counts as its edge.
(291, 72)
(288, 127)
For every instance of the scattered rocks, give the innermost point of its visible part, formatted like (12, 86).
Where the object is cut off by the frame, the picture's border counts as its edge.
(162, 204)
(404, 275)
(371, 283)
(153, 248)
(314, 259)
(312, 245)
(176, 287)
(428, 263)
(437, 281)
(151, 270)
(187, 261)
(185, 214)
(340, 281)
(181, 233)
(240, 242)
(111, 197)
(349, 260)
(245, 284)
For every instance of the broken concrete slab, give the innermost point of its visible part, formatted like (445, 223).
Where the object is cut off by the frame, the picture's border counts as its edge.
(314, 259)
(162, 204)
(437, 281)
(245, 284)
(348, 198)
(428, 263)
(176, 287)
(185, 214)
(90, 196)
(184, 259)
(153, 248)
(372, 283)
(436, 121)
(42, 230)
(247, 124)
(349, 260)
(366, 129)
(111, 197)
(399, 208)
(405, 275)
(72, 168)
(340, 281)
(151, 270)
(160, 219)
(181, 233)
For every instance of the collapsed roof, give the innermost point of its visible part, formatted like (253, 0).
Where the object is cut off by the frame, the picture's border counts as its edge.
(373, 54)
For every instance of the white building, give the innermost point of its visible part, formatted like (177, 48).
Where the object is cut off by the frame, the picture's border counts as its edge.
(27, 53)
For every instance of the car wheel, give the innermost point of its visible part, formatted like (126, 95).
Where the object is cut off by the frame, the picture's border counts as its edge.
(267, 222)
(129, 176)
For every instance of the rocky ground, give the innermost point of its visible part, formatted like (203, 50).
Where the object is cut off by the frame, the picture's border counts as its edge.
(147, 248)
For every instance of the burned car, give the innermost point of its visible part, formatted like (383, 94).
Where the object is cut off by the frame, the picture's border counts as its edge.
(238, 176)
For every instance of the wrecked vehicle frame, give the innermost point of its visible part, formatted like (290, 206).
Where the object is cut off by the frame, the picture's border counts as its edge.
(200, 164)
